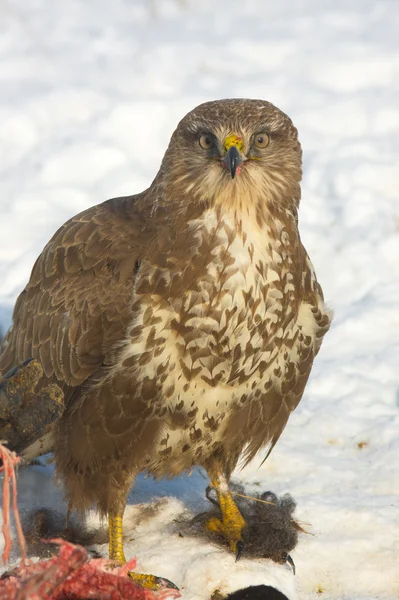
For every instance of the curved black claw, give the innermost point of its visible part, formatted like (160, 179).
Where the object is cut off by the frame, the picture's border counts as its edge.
(288, 559)
(166, 584)
(208, 496)
(240, 549)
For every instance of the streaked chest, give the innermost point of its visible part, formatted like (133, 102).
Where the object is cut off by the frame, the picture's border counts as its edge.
(209, 310)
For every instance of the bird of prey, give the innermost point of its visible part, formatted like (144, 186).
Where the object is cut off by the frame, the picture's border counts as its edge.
(181, 323)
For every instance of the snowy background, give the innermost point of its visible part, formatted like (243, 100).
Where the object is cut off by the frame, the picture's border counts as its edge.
(90, 94)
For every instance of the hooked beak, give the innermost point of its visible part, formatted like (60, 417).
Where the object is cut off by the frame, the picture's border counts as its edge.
(232, 160)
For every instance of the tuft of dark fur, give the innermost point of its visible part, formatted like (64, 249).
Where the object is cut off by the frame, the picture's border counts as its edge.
(271, 530)
(45, 523)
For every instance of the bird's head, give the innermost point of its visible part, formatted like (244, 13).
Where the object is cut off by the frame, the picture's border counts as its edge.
(234, 152)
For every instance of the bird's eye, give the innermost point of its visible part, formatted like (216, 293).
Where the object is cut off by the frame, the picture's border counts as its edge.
(206, 141)
(262, 140)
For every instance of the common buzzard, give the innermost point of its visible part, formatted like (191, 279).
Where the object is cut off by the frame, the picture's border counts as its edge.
(181, 323)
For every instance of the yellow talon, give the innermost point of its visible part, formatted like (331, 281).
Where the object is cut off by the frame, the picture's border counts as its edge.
(215, 525)
(232, 523)
(151, 582)
(115, 533)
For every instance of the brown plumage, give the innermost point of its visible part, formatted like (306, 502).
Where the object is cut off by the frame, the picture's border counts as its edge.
(181, 323)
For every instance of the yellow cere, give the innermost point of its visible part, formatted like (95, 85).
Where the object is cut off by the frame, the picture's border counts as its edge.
(233, 140)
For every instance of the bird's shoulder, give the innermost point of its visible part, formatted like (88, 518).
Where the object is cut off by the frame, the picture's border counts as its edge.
(75, 306)
(103, 234)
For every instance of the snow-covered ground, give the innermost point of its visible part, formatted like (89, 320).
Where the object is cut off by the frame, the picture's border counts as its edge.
(90, 93)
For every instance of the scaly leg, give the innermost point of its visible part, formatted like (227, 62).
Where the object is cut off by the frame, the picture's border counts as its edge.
(232, 523)
(116, 552)
(115, 537)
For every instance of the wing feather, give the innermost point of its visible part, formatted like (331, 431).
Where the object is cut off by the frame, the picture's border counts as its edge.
(76, 306)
